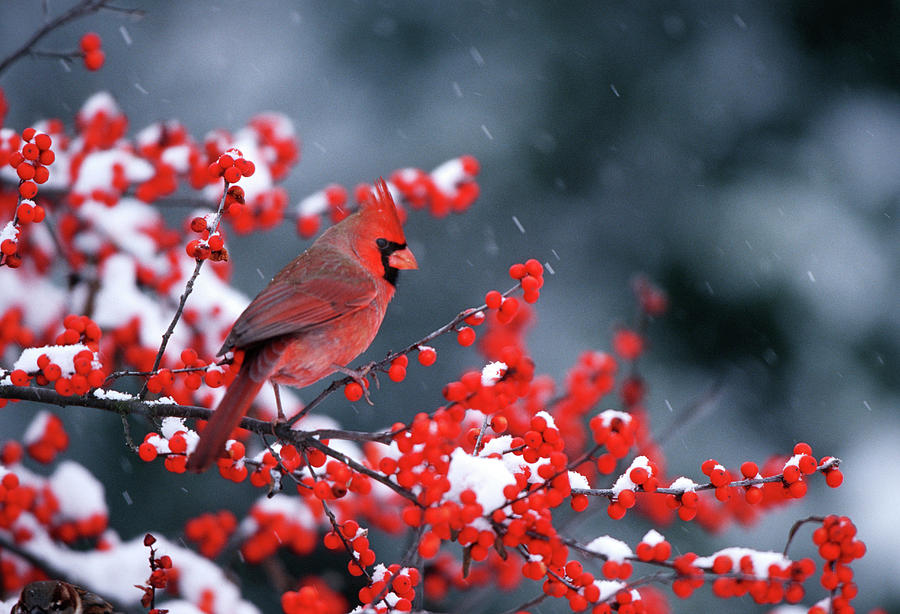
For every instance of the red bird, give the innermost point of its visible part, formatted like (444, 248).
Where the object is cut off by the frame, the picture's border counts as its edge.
(316, 315)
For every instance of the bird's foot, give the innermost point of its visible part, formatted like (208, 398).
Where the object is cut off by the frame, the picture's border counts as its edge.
(359, 376)
(280, 417)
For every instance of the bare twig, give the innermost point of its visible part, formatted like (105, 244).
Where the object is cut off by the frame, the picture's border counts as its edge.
(523, 606)
(796, 528)
(85, 7)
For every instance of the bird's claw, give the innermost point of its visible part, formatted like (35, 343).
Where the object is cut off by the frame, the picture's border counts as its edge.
(359, 376)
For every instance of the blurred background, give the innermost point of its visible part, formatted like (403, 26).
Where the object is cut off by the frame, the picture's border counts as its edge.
(744, 155)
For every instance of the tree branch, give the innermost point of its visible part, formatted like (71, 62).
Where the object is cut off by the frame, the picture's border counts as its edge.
(84, 7)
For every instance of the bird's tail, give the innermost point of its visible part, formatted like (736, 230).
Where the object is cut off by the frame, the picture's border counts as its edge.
(228, 414)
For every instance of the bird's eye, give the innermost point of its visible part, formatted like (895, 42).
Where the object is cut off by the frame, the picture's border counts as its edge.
(381, 243)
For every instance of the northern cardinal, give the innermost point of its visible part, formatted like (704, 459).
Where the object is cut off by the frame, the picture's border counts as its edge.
(317, 314)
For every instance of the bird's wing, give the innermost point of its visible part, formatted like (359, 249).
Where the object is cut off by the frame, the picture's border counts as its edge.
(312, 290)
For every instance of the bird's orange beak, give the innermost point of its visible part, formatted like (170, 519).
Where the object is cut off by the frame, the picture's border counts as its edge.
(403, 259)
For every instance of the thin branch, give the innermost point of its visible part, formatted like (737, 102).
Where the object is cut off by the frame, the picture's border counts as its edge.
(84, 7)
(156, 410)
(796, 528)
(691, 412)
(522, 606)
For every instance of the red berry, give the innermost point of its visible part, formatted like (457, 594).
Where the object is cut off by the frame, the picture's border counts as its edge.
(41, 174)
(31, 151)
(91, 41)
(466, 336)
(427, 356)
(43, 141)
(749, 469)
(93, 60)
(834, 478)
(534, 268)
(353, 391)
(147, 452)
(470, 165)
(308, 225)
(28, 133)
(25, 171)
(232, 174)
(802, 448)
(198, 224)
(25, 213)
(517, 271)
(628, 344)
(246, 167)
(28, 189)
(493, 299)
(397, 373)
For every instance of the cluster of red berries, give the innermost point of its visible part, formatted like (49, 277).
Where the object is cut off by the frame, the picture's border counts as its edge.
(332, 198)
(397, 370)
(314, 597)
(773, 584)
(211, 531)
(78, 373)
(590, 379)
(510, 381)
(92, 53)
(161, 575)
(838, 546)
(263, 212)
(82, 528)
(361, 554)
(231, 166)
(174, 447)
(530, 276)
(210, 245)
(194, 372)
(32, 160)
(278, 528)
(337, 480)
(642, 476)
(448, 188)
(454, 190)
(653, 547)
(14, 499)
(278, 144)
(397, 584)
(614, 430)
